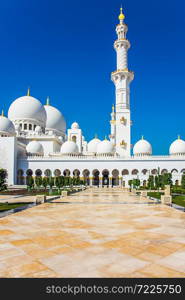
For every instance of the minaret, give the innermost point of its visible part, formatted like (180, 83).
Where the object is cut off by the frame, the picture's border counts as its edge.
(122, 78)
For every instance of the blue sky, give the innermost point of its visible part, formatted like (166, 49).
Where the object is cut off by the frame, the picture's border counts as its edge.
(64, 49)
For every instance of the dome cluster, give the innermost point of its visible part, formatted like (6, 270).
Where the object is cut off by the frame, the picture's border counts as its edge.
(98, 147)
(27, 113)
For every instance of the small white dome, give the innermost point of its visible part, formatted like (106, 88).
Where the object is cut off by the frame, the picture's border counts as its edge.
(38, 129)
(177, 147)
(35, 147)
(55, 119)
(75, 126)
(6, 126)
(93, 144)
(142, 147)
(17, 127)
(27, 108)
(69, 147)
(105, 147)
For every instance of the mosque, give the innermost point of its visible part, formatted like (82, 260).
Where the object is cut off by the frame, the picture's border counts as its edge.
(34, 140)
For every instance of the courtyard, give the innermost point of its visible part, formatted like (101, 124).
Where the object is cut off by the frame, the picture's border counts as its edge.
(94, 233)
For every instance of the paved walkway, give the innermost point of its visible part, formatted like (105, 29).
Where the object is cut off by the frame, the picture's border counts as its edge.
(94, 233)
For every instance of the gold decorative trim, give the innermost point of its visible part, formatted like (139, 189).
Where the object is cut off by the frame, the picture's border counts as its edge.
(123, 120)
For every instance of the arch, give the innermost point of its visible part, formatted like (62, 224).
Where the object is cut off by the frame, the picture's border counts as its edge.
(176, 182)
(105, 172)
(154, 172)
(96, 178)
(76, 173)
(144, 171)
(57, 172)
(38, 172)
(20, 177)
(30, 126)
(86, 174)
(144, 182)
(164, 171)
(115, 173)
(115, 177)
(74, 138)
(174, 171)
(125, 172)
(183, 171)
(47, 173)
(20, 172)
(135, 172)
(105, 177)
(29, 172)
(67, 172)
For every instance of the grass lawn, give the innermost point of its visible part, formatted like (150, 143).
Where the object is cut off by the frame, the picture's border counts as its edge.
(6, 206)
(155, 194)
(179, 200)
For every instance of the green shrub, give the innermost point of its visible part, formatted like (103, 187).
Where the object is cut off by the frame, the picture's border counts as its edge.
(3, 177)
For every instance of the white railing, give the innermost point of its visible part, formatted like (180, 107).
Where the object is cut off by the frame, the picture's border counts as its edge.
(58, 156)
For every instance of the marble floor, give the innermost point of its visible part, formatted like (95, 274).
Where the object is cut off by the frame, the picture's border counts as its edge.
(94, 233)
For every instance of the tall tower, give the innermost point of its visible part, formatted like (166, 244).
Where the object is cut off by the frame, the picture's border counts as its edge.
(122, 78)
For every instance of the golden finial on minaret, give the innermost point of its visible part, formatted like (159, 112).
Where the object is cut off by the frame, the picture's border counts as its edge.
(28, 92)
(113, 108)
(121, 16)
(47, 101)
(2, 113)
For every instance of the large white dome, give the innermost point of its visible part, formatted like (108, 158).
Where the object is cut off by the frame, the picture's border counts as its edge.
(105, 147)
(35, 147)
(69, 147)
(177, 147)
(27, 108)
(92, 145)
(142, 147)
(6, 126)
(55, 119)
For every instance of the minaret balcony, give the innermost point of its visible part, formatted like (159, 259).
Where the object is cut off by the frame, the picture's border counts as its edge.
(121, 74)
(120, 43)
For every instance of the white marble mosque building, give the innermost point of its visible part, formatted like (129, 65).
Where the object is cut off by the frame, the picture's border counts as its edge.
(34, 140)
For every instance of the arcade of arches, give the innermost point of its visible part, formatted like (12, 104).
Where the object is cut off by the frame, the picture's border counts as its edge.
(100, 177)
